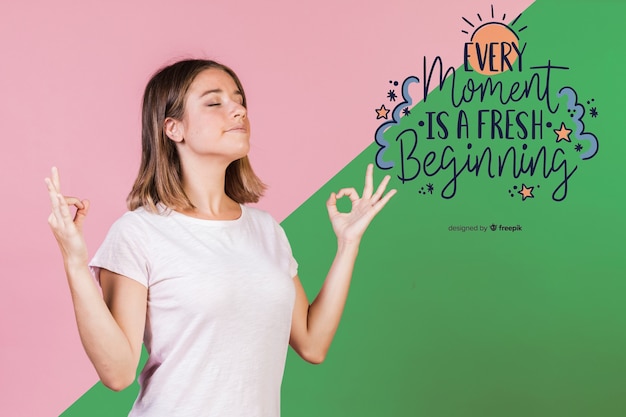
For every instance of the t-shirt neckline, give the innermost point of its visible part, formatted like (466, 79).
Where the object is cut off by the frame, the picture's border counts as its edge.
(207, 222)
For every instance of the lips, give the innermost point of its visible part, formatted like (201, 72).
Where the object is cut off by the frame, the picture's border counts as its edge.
(238, 128)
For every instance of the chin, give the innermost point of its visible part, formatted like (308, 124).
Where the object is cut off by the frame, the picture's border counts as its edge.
(241, 153)
(245, 148)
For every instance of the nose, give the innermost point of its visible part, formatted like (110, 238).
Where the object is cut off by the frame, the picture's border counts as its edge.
(239, 111)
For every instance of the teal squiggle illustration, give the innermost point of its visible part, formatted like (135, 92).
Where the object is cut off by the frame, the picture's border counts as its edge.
(579, 112)
(395, 116)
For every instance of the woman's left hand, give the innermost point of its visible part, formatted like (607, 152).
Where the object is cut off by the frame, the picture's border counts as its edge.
(349, 227)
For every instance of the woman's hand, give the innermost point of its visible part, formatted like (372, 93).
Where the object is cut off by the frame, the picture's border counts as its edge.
(349, 227)
(67, 230)
(313, 326)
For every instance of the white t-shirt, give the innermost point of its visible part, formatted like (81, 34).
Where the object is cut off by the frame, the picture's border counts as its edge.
(220, 300)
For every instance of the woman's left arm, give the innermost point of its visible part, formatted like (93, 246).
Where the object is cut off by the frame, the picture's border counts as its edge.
(313, 326)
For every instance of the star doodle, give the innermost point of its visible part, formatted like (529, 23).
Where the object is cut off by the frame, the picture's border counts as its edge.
(382, 112)
(591, 147)
(563, 133)
(391, 95)
(406, 111)
(526, 192)
(578, 147)
(593, 111)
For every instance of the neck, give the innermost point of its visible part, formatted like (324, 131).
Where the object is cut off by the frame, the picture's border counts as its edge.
(203, 182)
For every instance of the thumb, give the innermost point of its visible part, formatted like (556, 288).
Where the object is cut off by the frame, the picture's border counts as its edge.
(81, 214)
(331, 205)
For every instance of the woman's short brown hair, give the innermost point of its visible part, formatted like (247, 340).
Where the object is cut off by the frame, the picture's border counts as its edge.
(160, 176)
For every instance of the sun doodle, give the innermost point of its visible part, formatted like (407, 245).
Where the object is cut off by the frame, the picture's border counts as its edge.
(494, 46)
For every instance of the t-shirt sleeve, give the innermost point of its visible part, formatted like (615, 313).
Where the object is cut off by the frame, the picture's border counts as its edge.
(292, 265)
(123, 251)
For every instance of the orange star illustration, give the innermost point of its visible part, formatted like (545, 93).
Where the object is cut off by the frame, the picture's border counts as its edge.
(526, 192)
(382, 112)
(563, 133)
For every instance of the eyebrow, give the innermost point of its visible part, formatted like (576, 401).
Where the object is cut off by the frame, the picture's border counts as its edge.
(218, 90)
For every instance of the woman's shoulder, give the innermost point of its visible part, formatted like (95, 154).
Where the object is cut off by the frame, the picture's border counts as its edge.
(139, 218)
(264, 221)
(258, 214)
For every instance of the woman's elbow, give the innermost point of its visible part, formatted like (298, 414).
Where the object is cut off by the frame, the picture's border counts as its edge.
(314, 357)
(118, 383)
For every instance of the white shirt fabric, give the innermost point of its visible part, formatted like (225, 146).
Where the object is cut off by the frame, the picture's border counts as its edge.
(220, 300)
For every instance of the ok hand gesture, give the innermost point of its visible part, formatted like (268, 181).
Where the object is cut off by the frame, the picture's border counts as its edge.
(349, 227)
(67, 229)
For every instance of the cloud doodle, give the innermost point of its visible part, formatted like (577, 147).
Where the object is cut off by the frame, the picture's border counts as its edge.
(395, 116)
(577, 117)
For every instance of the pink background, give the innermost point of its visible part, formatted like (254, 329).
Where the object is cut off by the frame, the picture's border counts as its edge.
(72, 78)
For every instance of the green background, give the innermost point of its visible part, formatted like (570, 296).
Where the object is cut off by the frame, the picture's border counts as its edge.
(452, 324)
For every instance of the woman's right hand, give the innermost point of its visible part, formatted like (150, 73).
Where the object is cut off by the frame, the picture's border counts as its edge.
(67, 230)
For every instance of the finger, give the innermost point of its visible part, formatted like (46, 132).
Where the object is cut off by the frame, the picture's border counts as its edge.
(81, 208)
(350, 193)
(64, 210)
(52, 191)
(86, 205)
(81, 213)
(383, 201)
(381, 188)
(57, 212)
(73, 201)
(54, 201)
(55, 179)
(331, 205)
(368, 189)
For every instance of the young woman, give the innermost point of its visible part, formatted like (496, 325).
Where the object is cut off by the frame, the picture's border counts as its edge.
(208, 284)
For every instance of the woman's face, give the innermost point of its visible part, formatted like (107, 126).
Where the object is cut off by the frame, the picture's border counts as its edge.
(215, 122)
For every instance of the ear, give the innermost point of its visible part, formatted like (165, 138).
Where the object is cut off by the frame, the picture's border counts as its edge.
(173, 129)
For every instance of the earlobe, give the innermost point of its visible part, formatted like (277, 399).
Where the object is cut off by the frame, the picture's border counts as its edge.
(173, 130)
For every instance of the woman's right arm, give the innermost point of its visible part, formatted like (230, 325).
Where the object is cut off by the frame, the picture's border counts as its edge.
(110, 325)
